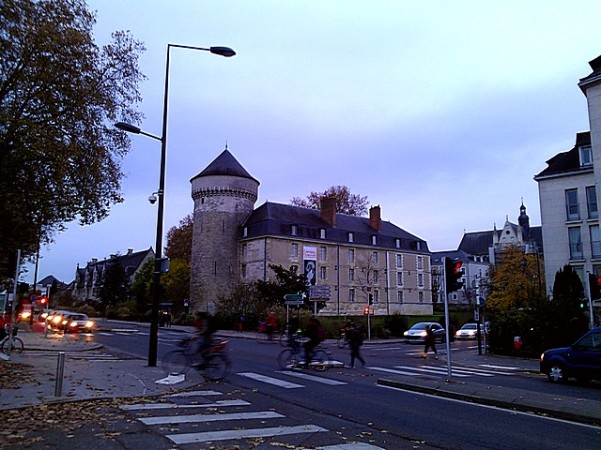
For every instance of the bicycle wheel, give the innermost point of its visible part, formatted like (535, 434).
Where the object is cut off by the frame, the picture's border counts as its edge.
(176, 362)
(284, 339)
(216, 367)
(319, 361)
(17, 346)
(287, 359)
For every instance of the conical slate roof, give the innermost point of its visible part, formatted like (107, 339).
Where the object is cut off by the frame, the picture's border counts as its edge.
(225, 164)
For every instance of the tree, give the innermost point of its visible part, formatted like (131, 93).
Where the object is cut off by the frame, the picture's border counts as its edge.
(114, 284)
(346, 203)
(140, 288)
(177, 284)
(287, 281)
(60, 157)
(179, 240)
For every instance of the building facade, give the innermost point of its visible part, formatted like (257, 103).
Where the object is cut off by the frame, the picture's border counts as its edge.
(89, 279)
(352, 258)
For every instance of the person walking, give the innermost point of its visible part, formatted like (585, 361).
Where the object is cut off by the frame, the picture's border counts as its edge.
(355, 340)
(430, 342)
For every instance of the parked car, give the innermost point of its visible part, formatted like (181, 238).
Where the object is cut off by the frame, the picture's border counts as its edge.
(581, 360)
(417, 333)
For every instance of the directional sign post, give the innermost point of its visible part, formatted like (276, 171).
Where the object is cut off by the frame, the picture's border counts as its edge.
(292, 300)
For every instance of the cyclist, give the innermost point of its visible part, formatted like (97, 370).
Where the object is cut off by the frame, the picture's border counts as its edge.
(204, 330)
(314, 332)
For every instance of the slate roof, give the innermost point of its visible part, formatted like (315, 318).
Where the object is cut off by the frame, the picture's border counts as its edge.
(275, 219)
(130, 262)
(567, 162)
(478, 242)
(225, 165)
(594, 77)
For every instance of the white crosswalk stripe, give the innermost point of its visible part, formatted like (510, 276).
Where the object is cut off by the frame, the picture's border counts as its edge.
(270, 380)
(170, 420)
(459, 372)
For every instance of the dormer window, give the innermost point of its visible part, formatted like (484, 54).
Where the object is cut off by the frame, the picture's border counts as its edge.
(293, 230)
(374, 240)
(322, 233)
(351, 237)
(586, 156)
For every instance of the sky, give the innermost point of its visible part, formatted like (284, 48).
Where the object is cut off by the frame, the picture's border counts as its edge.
(439, 112)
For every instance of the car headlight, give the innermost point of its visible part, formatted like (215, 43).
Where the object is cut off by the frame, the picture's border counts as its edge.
(73, 324)
(406, 333)
(423, 334)
(89, 324)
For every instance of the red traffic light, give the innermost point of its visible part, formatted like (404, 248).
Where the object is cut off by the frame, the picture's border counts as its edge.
(366, 310)
(43, 300)
(457, 267)
(599, 280)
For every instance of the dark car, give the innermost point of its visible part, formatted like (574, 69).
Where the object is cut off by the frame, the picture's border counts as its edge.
(581, 360)
(417, 333)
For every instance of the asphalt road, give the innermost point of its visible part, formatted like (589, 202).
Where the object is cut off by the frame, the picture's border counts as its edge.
(350, 402)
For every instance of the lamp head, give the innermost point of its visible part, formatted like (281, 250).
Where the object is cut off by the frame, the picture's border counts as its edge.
(152, 199)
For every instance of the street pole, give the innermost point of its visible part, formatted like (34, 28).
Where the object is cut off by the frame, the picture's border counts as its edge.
(446, 318)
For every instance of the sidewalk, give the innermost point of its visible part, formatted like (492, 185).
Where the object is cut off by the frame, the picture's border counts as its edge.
(92, 373)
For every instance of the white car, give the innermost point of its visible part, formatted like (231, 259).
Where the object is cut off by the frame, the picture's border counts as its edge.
(469, 331)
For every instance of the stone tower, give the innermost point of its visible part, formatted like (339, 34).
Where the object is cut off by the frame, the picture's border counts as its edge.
(224, 195)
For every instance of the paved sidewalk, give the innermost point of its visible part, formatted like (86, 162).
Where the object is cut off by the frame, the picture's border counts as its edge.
(91, 373)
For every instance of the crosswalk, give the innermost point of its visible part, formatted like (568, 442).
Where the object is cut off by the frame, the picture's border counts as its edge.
(203, 417)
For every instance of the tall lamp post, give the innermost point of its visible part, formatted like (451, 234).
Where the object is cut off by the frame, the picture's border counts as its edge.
(156, 284)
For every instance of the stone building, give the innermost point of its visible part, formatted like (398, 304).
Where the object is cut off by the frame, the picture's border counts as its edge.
(352, 258)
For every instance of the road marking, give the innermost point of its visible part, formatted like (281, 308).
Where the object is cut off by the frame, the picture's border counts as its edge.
(307, 376)
(195, 393)
(499, 367)
(354, 446)
(270, 380)
(400, 372)
(437, 371)
(152, 406)
(201, 418)
(192, 438)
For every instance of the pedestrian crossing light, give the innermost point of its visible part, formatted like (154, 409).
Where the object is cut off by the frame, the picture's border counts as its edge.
(594, 284)
(453, 275)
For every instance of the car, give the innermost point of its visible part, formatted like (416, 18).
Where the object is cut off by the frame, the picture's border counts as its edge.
(417, 333)
(77, 322)
(581, 360)
(470, 330)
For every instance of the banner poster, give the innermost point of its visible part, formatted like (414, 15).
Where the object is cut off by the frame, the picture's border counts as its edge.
(310, 264)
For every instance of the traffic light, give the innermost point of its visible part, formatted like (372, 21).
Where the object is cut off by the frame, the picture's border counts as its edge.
(594, 285)
(453, 275)
(366, 310)
(43, 301)
(371, 299)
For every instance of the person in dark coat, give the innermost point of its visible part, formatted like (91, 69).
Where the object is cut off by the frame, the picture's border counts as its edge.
(355, 340)
(430, 342)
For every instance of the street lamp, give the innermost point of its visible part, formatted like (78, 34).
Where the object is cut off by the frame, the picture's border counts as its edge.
(156, 284)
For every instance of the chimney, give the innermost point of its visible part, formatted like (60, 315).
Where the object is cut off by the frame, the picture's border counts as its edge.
(328, 209)
(375, 220)
(130, 251)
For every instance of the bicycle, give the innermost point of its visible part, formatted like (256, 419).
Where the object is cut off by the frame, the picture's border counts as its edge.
(263, 334)
(213, 363)
(294, 357)
(17, 343)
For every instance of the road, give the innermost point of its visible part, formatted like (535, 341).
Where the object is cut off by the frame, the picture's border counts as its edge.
(349, 406)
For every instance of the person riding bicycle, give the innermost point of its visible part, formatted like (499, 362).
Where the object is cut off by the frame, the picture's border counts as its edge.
(314, 332)
(204, 330)
(271, 325)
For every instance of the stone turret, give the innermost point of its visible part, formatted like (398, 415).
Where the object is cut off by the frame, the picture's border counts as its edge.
(224, 194)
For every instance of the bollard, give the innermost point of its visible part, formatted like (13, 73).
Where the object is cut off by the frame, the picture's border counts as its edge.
(60, 372)
(517, 342)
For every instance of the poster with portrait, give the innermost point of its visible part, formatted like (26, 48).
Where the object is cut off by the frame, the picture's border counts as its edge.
(310, 264)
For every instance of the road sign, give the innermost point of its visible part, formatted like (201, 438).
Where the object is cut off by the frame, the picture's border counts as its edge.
(293, 297)
(294, 302)
(318, 291)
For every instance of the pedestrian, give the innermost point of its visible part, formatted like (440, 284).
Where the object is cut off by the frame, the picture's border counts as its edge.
(430, 342)
(241, 321)
(355, 340)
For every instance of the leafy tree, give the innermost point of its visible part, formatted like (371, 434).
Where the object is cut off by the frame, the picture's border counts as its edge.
(566, 321)
(141, 287)
(60, 157)
(114, 284)
(177, 284)
(243, 299)
(287, 281)
(179, 240)
(346, 203)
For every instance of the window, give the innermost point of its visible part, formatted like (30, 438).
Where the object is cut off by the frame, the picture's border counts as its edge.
(399, 261)
(350, 237)
(420, 296)
(351, 256)
(374, 240)
(351, 275)
(591, 202)
(399, 278)
(244, 250)
(293, 230)
(397, 243)
(420, 279)
(244, 271)
(399, 297)
(245, 232)
(376, 296)
(595, 241)
(420, 263)
(351, 295)
(575, 242)
(323, 253)
(374, 258)
(322, 233)
(294, 251)
(323, 273)
(375, 276)
(572, 210)
(586, 156)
